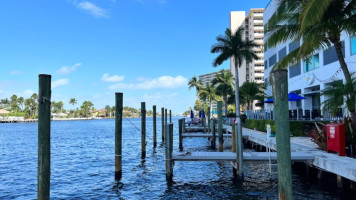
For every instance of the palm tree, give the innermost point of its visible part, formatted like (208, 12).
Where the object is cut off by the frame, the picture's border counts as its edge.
(320, 23)
(21, 101)
(5, 102)
(107, 111)
(72, 101)
(194, 82)
(251, 91)
(232, 45)
(224, 82)
(207, 93)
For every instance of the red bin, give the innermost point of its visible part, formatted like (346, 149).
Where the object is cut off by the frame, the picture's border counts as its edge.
(336, 138)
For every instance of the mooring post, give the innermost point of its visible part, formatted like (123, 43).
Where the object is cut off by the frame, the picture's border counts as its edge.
(154, 127)
(44, 137)
(118, 135)
(281, 114)
(162, 117)
(213, 139)
(233, 146)
(184, 125)
(180, 122)
(209, 120)
(170, 116)
(240, 151)
(238, 171)
(143, 130)
(168, 152)
(165, 121)
(220, 127)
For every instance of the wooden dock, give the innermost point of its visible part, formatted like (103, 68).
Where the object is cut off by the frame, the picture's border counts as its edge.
(230, 156)
(203, 135)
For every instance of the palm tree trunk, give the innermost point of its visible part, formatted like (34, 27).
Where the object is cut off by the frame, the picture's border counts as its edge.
(347, 75)
(225, 102)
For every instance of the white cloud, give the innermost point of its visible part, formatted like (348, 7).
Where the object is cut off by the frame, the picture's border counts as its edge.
(114, 78)
(68, 69)
(160, 82)
(60, 82)
(93, 9)
(14, 72)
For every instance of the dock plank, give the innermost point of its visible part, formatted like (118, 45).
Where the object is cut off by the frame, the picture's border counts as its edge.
(229, 156)
(202, 135)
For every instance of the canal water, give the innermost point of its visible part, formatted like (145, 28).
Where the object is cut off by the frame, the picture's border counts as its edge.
(82, 167)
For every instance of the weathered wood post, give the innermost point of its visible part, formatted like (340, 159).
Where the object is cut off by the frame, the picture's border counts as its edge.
(168, 152)
(180, 122)
(118, 135)
(184, 125)
(143, 130)
(213, 130)
(281, 114)
(44, 137)
(170, 116)
(165, 121)
(162, 117)
(233, 146)
(209, 120)
(240, 150)
(220, 127)
(154, 127)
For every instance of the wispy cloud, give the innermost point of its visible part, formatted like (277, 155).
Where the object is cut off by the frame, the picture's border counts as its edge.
(114, 78)
(15, 72)
(68, 69)
(160, 82)
(92, 9)
(60, 82)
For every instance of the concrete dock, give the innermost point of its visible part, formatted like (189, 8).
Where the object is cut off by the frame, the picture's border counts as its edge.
(207, 135)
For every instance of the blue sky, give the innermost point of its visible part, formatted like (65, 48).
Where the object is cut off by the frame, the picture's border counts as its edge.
(147, 49)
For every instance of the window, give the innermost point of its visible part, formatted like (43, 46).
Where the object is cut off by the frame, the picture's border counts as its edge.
(353, 45)
(282, 53)
(294, 70)
(266, 64)
(330, 54)
(311, 63)
(293, 45)
(272, 60)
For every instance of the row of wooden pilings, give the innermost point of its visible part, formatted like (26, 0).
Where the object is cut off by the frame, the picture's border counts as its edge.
(280, 94)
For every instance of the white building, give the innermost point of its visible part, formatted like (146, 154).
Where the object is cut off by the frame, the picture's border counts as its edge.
(253, 30)
(308, 78)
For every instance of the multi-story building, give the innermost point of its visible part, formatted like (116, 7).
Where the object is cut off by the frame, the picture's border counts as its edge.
(253, 30)
(310, 77)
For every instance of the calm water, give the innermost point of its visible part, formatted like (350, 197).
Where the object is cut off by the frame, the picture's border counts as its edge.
(82, 167)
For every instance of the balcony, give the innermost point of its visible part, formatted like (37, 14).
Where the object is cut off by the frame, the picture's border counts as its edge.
(257, 21)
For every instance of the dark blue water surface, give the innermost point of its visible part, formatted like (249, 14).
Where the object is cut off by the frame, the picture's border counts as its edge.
(82, 167)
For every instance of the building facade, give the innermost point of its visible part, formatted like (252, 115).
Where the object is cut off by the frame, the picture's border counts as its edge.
(253, 30)
(308, 77)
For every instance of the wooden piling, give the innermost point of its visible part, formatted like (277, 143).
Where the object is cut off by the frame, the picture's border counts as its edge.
(208, 114)
(118, 135)
(233, 146)
(180, 123)
(170, 116)
(168, 152)
(154, 127)
(213, 130)
(184, 125)
(165, 121)
(163, 129)
(44, 137)
(237, 151)
(143, 130)
(240, 150)
(220, 127)
(281, 114)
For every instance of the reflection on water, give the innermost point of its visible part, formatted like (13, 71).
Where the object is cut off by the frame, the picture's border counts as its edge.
(82, 167)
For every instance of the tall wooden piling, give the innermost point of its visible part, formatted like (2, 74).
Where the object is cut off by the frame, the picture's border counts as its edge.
(165, 121)
(143, 130)
(233, 146)
(118, 135)
(180, 131)
(237, 151)
(240, 150)
(170, 116)
(213, 130)
(154, 127)
(168, 152)
(163, 129)
(220, 127)
(184, 125)
(281, 113)
(44, 137)
(208, 114)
